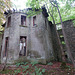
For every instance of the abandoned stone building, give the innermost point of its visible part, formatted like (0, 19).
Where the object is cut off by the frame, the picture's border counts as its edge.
(23, 36)
(32, 37)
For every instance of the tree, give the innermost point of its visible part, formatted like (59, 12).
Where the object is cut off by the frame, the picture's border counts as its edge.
(67, 44)
(4, 5)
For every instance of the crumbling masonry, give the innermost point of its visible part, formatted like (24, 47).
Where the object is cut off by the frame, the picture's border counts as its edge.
(36, 33)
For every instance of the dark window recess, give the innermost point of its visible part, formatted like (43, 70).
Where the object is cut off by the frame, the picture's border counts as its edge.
(34, 21)
(23, 46)
(9, 21)
(23, 20)
(2, 36)
(45, 23)
(6, 45)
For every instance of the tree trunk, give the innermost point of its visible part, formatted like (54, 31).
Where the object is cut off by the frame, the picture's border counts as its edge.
(4, 67)
(67, 44)
(57, 35)
(58, 38)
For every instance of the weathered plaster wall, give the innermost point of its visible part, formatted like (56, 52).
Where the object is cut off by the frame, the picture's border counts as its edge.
(39, 43)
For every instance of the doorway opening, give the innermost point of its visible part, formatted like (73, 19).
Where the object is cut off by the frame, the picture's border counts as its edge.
(23, 40)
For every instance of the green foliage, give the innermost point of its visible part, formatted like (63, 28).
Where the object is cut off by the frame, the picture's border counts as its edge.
(63, 65)
(66, 9)
(17, 71)
(21, 63)
(4, 5)
(73, 23)
(31, 13)
(68, 67)
(25, 67)
(61, 36)
(50, 63)
(7, 71)
(43, 70)
(18, 64)
(38, 71)
(34, 63)
(25, 63)
(63, 42)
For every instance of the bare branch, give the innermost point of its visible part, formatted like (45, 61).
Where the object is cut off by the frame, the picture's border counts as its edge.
(53, 4)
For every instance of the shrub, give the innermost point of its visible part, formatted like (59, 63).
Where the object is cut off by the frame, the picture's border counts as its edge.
(34, 63)
(63, 65)
(50, 63)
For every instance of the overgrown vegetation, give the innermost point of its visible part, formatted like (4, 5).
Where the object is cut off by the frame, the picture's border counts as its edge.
(67, 8)
(73, 23)
(27, 69)
(33, 68)
(7, 71)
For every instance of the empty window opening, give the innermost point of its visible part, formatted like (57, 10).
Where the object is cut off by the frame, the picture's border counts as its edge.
(23, 20)
(9, 21)
(45, 23)
(22, 46)
(34, 21)
(6, 45)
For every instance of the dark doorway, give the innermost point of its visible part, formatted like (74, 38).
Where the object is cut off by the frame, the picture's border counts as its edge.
(22, 46)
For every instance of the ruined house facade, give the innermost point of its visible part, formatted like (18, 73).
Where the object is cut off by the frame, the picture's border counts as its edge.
(34, 37)
(31, 34)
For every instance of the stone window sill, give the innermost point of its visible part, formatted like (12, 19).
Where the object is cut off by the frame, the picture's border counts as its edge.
(35, 26)
(23, 26)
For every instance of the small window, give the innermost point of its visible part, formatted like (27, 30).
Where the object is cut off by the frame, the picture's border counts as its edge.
(9, 21)
(45, 23)
(34, 21)
(23, 20)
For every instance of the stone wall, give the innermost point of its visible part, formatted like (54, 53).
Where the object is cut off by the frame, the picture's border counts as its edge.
(56, 46)
(70, 35)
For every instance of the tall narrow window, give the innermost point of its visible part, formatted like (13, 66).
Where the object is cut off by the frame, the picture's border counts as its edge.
(34, 21)
(9, 21)
(45, 23)
(6, 46)
(23, 20)
(22, 46)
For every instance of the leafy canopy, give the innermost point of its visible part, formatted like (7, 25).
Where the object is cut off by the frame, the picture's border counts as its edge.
(67, 8)
(4, 5)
